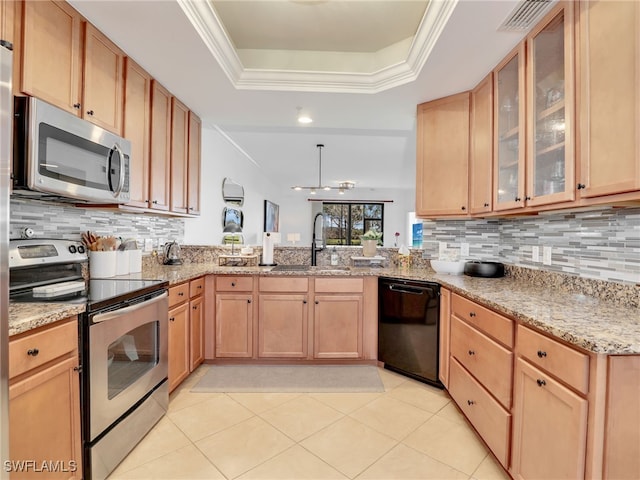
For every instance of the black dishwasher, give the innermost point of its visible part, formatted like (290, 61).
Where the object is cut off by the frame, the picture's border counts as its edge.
(408, 328)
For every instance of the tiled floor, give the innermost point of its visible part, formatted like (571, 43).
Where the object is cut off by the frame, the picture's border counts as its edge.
(411, 431)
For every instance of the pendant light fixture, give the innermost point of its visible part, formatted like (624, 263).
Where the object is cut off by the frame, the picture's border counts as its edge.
(341, 188)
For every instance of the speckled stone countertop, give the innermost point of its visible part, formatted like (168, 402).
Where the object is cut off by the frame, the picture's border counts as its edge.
(594, 324)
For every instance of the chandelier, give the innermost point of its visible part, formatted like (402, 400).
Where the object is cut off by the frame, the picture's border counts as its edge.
(341, 188)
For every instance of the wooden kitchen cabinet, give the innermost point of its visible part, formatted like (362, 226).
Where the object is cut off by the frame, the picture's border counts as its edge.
(6, 20)
(67, 62)
(509, 135)
(178, 344)
(550, 160)
(194, 164)
(283, 317)
(445, 336)
(136, 128)
(234, 317)
(442, 163)
(337, 326)
(160, 151)
(196, 322)
(550, 427)
(179, 155)
(608, 59)
(481, 147)
(44, 400)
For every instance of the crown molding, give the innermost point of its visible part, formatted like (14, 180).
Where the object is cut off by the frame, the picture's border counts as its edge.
(206, 22)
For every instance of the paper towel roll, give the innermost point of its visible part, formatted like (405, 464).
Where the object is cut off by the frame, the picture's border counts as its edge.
(267, 248)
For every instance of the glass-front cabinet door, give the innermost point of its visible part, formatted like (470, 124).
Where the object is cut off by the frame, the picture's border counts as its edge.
(509, 115)
(550, 105)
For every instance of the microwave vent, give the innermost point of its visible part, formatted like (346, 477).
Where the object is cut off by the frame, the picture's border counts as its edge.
(525, 15)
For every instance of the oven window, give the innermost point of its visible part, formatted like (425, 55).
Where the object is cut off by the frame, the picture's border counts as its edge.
(131, 356)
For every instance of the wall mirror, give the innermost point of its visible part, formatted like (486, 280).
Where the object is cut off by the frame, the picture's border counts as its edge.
(232, 215)
(232, 192)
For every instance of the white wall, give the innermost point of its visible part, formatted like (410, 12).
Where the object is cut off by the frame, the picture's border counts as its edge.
(221, 158)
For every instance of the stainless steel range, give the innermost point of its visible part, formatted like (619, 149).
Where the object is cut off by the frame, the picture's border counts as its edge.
(123, 345)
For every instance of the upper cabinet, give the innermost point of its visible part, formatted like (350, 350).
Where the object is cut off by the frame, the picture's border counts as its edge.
(608, 45)
(481, 147)
(509, 138)
(160, 170)
(442, 163)
(550, 104)
(179, 147)
(53, 66)
(6, 20)
(193, 164)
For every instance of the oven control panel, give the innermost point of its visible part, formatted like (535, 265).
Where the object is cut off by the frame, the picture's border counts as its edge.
(39, 251)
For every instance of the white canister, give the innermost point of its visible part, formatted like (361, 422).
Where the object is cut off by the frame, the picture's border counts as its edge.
(122, 262)
(102, 264)
(135, 261)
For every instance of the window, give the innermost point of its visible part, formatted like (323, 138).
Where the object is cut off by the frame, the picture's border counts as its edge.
(346, 222)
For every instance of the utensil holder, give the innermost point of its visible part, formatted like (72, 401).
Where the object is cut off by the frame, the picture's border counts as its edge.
(122, 262)
(102, 264)
(135, 261)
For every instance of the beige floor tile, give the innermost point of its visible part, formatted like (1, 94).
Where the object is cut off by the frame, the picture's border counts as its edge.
(244, 446)
(390, 379)
(345, 402)
(205, 418)
(451, 413)
(184, 398)
(449, 442)
(391, 417)
(404, 463)
(261, 402)
(164, 438)
(187, 463)
(301, 417)
(420, 395)
(490, 469)
(296, 463)
(349, 446)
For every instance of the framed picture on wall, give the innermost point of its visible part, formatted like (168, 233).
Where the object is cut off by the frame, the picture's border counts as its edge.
(271, 217)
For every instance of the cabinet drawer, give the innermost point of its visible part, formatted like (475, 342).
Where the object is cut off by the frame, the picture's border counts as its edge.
(178, 294)
(234, 284)
(490, 363)
(569, 365)
(196, 287)
(487, 416)
(289, 284)
(36, 349)
(491, 323)
(339, 285)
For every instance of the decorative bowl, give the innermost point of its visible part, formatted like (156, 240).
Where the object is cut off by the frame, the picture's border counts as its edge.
(452, 267)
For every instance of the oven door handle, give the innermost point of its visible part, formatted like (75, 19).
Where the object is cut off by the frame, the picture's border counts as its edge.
(104, 317)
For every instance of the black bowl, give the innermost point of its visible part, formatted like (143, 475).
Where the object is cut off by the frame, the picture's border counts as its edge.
(484, 269)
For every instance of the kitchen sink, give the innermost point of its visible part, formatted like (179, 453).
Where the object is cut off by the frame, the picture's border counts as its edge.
(309, 268)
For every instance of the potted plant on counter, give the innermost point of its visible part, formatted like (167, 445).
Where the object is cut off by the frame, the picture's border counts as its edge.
(370, 240)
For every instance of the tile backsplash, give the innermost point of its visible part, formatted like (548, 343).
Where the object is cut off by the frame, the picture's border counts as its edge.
(602, 244)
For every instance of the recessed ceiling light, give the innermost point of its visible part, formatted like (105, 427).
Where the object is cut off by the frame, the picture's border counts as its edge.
(304, 119)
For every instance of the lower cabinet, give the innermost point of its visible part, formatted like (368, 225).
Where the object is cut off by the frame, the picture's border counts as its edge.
(178, 345)
(337, 326)
(550, 427)
(283, 326)
(44, 404)
(234, 325)
(196, 322)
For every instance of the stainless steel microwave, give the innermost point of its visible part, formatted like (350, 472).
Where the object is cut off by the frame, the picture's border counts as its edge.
(59, 156)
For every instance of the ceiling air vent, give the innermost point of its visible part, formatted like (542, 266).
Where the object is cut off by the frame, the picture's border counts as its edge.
(525, 15)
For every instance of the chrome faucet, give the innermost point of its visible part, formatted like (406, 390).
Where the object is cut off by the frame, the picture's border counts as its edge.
(314, 247)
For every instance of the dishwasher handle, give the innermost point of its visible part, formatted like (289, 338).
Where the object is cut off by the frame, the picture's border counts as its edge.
(104, 317)
(394, 287)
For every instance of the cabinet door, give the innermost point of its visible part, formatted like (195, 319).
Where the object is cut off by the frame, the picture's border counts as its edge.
(178, 345)
(179, 147)
(160, 147)
(52, 53)
(509, 137)
(481, 147)
(6, 20)
(609, 94)
(445, 332)
(442, 162)
(282, 326)
(193, 184)
(103, 81)
(550, 106)
(337, 326)
(234, 326)
(550, 427)
(196, 321)
(136, 126)
(44, 421)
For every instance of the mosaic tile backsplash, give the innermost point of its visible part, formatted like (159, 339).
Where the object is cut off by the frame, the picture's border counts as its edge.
(602, 244)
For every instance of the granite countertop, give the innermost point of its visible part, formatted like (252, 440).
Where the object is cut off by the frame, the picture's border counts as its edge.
(593, 324)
